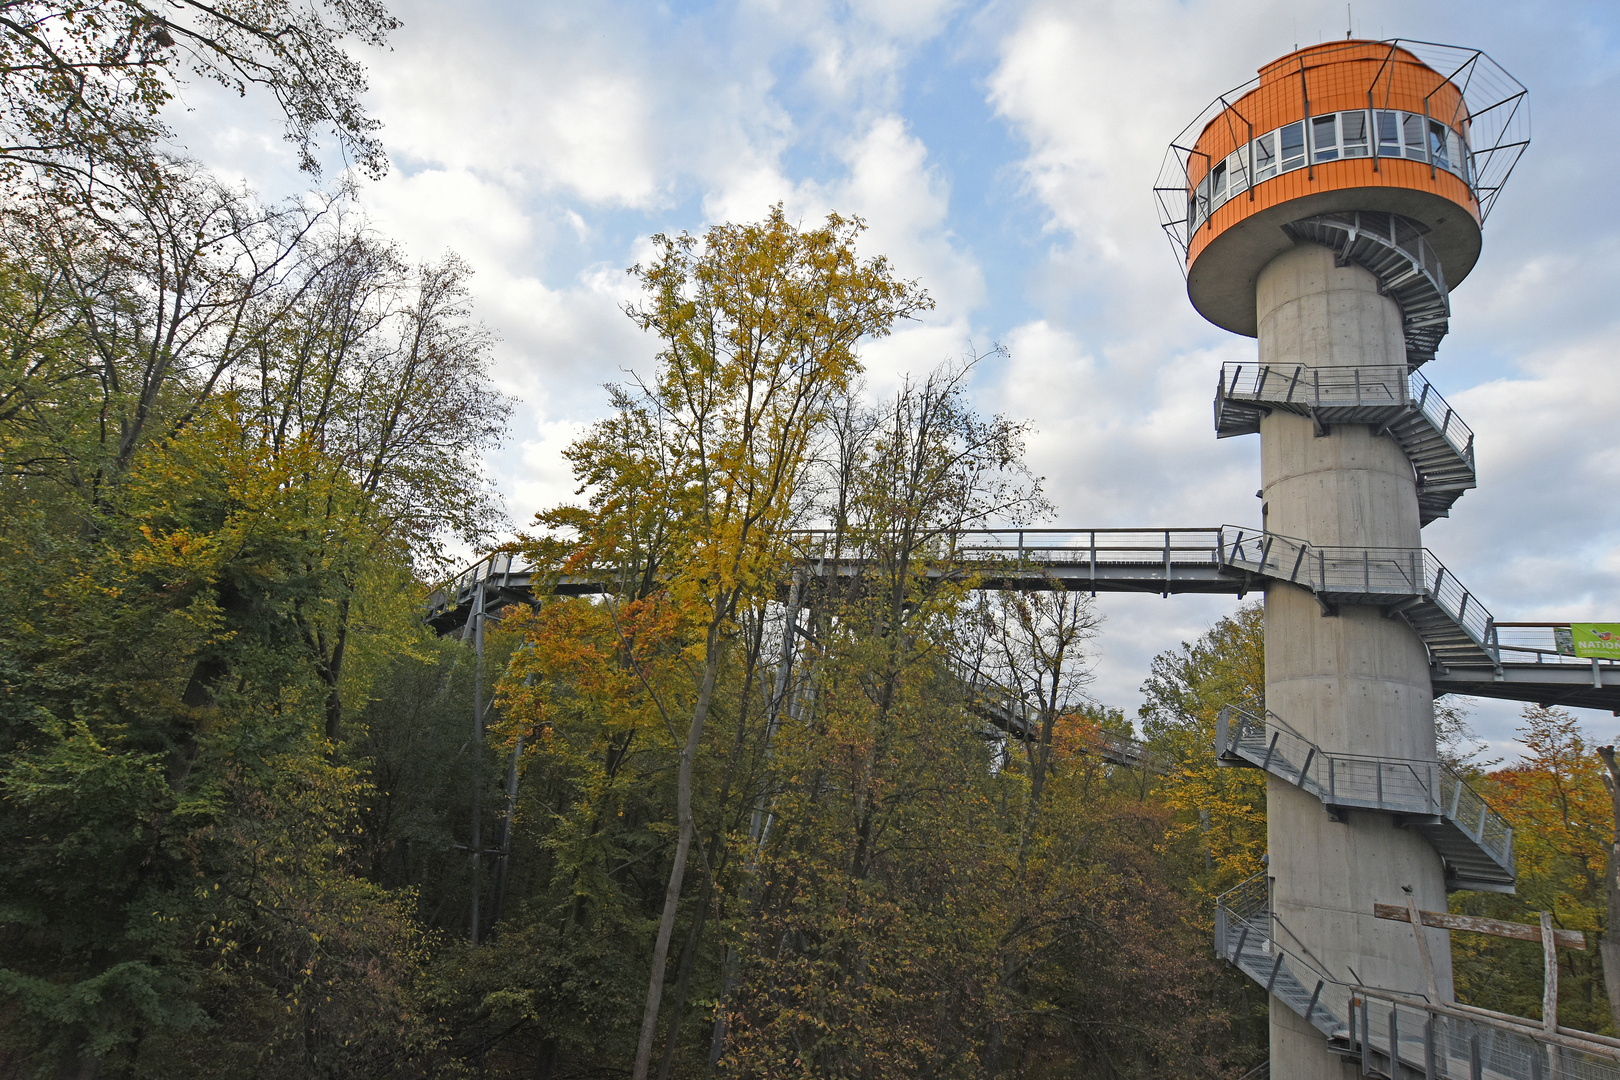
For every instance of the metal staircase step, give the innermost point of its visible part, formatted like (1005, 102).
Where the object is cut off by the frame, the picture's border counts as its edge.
(1437, 443)
(1474, 841)
(1395, 252)
(1243, 938)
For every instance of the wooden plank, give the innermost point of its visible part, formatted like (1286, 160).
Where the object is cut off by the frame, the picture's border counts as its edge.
(1568, 939)
(1549, 986)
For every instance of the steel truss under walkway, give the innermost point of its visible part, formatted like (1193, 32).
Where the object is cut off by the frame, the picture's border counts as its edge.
(1468, 653)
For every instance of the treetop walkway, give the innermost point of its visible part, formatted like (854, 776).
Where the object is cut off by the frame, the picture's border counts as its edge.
(1469, 651)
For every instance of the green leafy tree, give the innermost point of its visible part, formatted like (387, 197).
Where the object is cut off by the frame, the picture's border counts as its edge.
(1183, 696)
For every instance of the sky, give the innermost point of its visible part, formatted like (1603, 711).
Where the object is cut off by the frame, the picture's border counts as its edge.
(1002, 154)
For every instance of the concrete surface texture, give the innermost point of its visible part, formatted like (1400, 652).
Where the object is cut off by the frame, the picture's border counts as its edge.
(1354, 682)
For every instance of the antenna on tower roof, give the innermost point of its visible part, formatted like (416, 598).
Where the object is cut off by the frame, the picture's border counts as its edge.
(1349, 24)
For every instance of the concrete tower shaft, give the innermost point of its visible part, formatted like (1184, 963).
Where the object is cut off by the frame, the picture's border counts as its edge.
(1355, 684)
(1326, 209)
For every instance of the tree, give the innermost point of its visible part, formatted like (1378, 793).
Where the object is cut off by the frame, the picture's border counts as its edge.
(760, 326)
(232, 438)
(84, 84)
(1562, 819)
(1610, 949)
(1184, 694)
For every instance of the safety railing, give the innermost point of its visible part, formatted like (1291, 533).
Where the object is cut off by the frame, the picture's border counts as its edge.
(498, 566)
(1377, 386)
(1398, 785)
(1395, 784)
(1403, 1035)
(1070, 546)
(1398, 1035)
(1245, 938)
(1366, 572)
(1381, 386)
(1236, 907)
(1543, 643)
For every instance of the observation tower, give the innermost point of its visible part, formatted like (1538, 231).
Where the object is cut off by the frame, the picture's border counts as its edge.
(1327, 208)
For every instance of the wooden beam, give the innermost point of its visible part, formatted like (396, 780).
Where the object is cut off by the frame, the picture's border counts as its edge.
(1568, 939)
(1549, 987)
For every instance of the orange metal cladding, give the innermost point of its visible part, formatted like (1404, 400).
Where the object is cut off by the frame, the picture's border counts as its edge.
(1336, 78)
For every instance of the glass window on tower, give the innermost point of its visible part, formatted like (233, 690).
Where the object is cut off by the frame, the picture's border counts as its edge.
(1265, 156)
(1412, 128)
(1325, 137)
(1293, 146)
(1353, 128)
(1389, 134)
(1437, 144)
(1237, 176)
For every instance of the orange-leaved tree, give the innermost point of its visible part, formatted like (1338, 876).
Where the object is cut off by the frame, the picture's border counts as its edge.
(1561, 816)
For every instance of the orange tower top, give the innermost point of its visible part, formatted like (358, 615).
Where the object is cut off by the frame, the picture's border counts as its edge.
(1412, 129)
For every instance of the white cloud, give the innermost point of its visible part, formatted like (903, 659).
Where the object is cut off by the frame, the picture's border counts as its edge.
(547, 141)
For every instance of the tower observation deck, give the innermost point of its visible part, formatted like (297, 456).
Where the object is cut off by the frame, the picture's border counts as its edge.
(1327, 208)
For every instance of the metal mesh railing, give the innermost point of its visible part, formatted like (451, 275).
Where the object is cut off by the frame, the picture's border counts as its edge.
(1471, 813)
(1377, 386)
(1542, 643)
(1397, 785)
(1244, 937)
(1315, 387)
(1397, 1034)
(1455, 1041)
(498, 566)
(1070, 546)
(1353, 571)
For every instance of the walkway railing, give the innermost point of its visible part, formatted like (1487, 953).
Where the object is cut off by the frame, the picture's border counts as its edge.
(1245, 939)
(1398, 1034)
(1374, 387)
(1398, 785)
(1070, 546)
(1395, 1035)
(1542, 643)
(1370, 575)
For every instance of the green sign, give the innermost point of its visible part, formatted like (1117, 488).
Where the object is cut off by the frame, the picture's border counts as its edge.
(1600, 640)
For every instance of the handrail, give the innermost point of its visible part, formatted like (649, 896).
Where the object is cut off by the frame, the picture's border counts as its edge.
(1548, 643)
(1384, 572)
(1432, 1038)
(1244, 937)
(1373, 386)
(1445, 1039)
(1415, 786)
(1179, 544)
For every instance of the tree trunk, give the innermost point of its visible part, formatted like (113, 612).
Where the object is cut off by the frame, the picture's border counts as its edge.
(683, 845)
(683, 979)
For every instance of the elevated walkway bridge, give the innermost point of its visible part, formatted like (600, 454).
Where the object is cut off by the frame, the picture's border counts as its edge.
(1469, 652)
